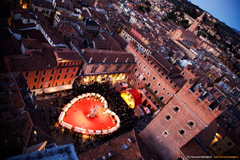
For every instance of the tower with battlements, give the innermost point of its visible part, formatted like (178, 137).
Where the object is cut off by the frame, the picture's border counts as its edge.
(190, 110)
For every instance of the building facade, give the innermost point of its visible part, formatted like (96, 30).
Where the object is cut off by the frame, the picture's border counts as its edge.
(103, 65)
(190, 110)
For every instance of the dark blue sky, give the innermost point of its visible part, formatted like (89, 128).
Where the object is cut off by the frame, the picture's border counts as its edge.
(227, 11)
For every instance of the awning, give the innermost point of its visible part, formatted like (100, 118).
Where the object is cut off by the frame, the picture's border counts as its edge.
(57, 88)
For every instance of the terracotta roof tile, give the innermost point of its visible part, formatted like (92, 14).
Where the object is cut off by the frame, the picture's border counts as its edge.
(98, 56)
(193, 149)
(36, 61)
(32, 43)
(115, 145)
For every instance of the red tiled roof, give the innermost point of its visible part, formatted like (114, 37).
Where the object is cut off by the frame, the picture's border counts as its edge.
(32, 43)
(35, 34)
(34, 62)
(132, 153)
(193, 149)
(68, 55)
(206, 136)
(98, 56)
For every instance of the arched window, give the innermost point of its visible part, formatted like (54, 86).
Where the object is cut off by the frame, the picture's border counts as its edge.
(167, 117)
(149, 84)
(161, 98)
(144, 79)
(190, 124)
(94, 68)
(181, 132)
(155, 92)
(176, 109)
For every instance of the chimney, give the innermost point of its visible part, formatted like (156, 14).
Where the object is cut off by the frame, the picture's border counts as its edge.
(104, 60)
(90, 60)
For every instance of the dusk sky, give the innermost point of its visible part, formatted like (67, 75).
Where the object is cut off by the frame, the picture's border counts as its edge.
(227, 11)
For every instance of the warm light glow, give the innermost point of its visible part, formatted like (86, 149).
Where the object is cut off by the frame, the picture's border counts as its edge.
(219, 135)
(24, 6)
(128, 99)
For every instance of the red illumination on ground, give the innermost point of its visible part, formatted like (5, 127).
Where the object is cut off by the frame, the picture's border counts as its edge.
(77, 115)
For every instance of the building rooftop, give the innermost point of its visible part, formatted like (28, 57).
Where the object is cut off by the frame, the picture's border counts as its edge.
(193, 149)
(133, 150)
(64, 152)
(98, 56)
(35, 61)
(32, 43)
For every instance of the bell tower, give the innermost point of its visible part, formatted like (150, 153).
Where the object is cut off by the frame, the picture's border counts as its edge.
(196, 23)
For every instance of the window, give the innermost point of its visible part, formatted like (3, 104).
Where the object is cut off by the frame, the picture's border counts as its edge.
(161, 98)
(49, 85)
(35, 80)
(67, 70)
(138, 84)
(41, 86)
(60, 71)
(42, 79)
(26, 74)
(58, 77)
(165, 133)
(181, 132)
(118, 67)
(37, 73)
(163, 89)
(135, 69)
(168, 93)
(69, 82)
(65, 76)
(229, 144)
(144, 79)
(43, 11)
(190, 124)
(94, 68)
(183, 73)
(155, 92)
(159, 84)
(34, 87)
(106, 68)
(167, 117)
(52, 71)
(63, 83)
(56, 83)
(47, 12)
(50, 78)
(149, 84)
(153, 78)
(175, 109)
(139, 63)
(148, 73)
(219, 149)
(127, 67)
(44, 72)
(214, 144)
(72, 75)
(144, 68)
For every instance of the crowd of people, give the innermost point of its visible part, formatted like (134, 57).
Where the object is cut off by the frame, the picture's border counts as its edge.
(115, 104)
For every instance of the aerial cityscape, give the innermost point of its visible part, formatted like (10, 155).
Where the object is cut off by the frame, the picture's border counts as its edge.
(118, 79)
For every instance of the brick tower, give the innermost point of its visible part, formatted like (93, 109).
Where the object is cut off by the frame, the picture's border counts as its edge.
(190, 110)
(194, 26)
